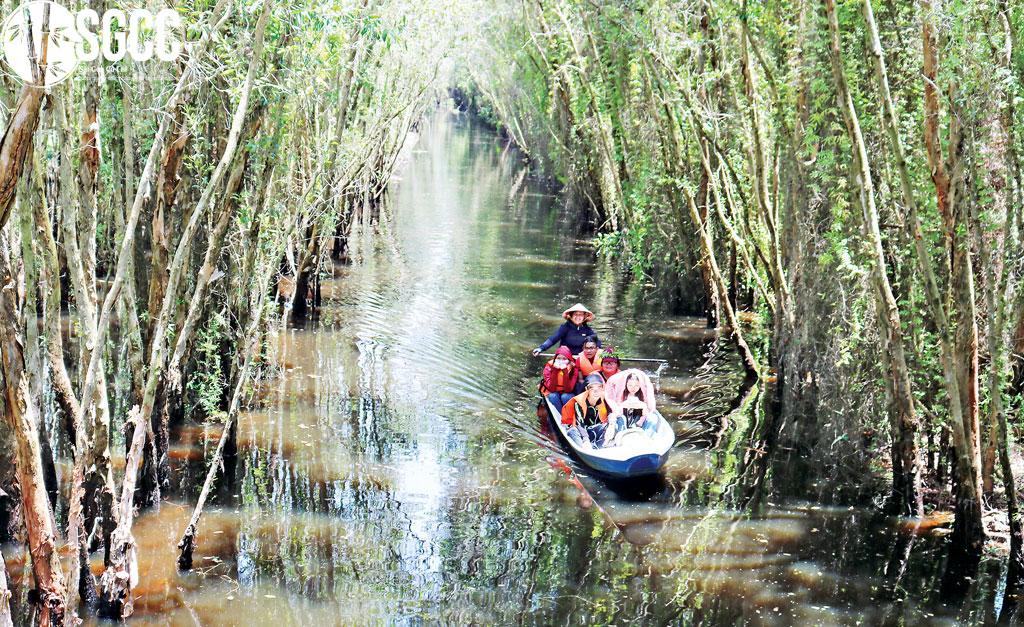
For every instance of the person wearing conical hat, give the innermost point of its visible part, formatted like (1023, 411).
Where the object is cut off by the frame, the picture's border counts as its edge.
(573, 332)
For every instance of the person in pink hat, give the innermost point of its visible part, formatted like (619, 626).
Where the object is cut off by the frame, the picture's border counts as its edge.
(630, 396)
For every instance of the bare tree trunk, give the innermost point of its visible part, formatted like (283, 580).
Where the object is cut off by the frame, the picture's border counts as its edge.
(906, 460)
(166, 194)
(49, 287)
(121, 575)
(951, 201)
(92, 486)
(708, 251)
(303, 272)
(128, 305)
(80, 583)
(34, 366)
(181, 90)
(1017, 348)
(759, 168)
(735, 332)
(1015, 561)
(608, 181)
(712, 305)
(21, 412)
(187, 544)
(15, 145)
(213, 252)
(23, 416)
(968, 514)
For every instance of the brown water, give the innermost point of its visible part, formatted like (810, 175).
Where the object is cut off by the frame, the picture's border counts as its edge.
(396, 470)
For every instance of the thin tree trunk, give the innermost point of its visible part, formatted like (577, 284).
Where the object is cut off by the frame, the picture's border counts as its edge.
(968, 513)
(128, 305)
(1017, 348)
(213, 252)
(15, 145)
(166, 193)
(950, 199)
(80, 583)
(34, 365)
(711, 297)
(1015, 561)
(92, 486)
(121, 575)
(22, 415)
(187, 544)
(182, 89)
(49, 287)
(759, 167)
(906, 460)
(707, 249)
(735, 332)
(608, 178)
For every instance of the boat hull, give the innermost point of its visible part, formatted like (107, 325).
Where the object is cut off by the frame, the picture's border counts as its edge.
(643, 464)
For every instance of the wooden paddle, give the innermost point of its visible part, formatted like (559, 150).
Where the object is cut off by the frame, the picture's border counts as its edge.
(640, 359)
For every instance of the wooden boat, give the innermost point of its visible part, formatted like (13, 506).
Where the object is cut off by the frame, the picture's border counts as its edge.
(633, 453)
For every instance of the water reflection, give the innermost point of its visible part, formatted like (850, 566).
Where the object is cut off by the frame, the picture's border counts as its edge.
(396, 469)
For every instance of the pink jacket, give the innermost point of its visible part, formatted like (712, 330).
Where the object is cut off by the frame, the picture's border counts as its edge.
(615, 389)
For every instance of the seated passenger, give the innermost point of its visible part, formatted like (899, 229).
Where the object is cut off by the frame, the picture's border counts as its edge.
(589, 361)
(631, 398)
(587, 415)
(573, 332)
(560, 375)
(609, 365)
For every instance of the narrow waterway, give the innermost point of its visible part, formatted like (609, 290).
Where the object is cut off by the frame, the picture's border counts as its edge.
(396, 469)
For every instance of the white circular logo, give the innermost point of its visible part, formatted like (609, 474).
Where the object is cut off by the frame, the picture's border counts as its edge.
(40, 38)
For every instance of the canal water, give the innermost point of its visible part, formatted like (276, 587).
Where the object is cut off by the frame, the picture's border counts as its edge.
(395, 469)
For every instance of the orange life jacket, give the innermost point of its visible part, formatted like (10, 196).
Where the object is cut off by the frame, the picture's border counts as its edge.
(586, 366)
(576, 410)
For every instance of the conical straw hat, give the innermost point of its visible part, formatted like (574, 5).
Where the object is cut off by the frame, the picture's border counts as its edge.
(578, 307)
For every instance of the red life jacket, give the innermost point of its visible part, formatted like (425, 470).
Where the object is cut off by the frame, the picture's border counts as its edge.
(559, 379)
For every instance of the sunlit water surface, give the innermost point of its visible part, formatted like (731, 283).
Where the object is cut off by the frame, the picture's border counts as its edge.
(396, 471)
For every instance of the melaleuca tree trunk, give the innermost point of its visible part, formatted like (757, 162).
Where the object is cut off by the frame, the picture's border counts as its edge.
(22, 415)
(906, 472)
(952, 199)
